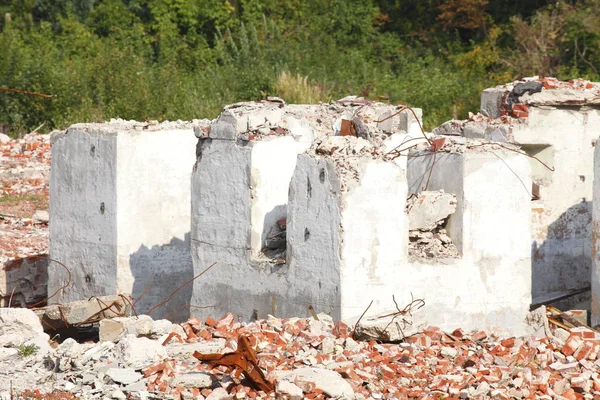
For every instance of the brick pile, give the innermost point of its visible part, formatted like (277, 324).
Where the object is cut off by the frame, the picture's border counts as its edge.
(429, 365)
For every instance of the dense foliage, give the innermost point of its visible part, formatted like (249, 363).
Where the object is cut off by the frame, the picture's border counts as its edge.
(184, 59)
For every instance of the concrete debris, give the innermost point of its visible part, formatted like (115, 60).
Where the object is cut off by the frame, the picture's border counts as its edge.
(41, 217)
(23, 281)
(352, 115)
(276, 241)
(290, 389)
(347, 153)
(17, 326)
(84, 311)
(139, 353)
(450, 128)
(114, 329)
(428, 210)
(193, 380)
(431, 245)
(329, 382)
(123, 375)
(393, 326)
(426, 365)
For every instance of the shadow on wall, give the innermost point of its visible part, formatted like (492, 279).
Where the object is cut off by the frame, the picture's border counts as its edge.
(157, 272)
(560, 271)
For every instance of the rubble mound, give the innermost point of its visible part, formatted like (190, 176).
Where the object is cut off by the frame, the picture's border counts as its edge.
(302, 358)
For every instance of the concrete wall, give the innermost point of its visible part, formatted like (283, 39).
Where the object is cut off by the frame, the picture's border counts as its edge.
(120, 212)
(83, 207)
(562, 216)
(490, 286)
(561, 129)
(595, 273)
(239, 190)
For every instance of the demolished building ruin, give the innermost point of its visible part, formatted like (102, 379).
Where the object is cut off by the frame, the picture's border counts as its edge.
(303, 205)
(557, 124)
(337, 208)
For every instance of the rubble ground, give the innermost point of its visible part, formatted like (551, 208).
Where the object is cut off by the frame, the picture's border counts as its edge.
(24, 170)
(311, 358)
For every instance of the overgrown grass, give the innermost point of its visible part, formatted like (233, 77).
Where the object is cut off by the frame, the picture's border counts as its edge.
(19, 199)
(26, 350)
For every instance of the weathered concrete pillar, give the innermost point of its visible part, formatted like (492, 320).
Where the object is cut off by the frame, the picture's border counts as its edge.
(240, 190)
(490, 285)
(120, 212)
(347, 230)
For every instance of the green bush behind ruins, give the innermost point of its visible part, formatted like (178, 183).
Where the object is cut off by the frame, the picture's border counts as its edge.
(184, 59)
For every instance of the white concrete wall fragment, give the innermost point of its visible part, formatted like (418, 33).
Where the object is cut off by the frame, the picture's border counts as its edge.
(595, 272)
(238, 189)
(427, 209)
(564, 139)
(492, 228)
(120, 211)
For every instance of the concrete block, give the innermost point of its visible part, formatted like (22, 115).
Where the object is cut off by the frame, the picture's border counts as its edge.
(393, 327)
(84, 311)
(114, 329)
(475, 129)
(193, 380)
(563, 138)
(344, 239)
(330, 382)
(428, 209)
(17, 326)
(557, 122)
(240, 191)
(25, 280)
(491, 102)
(120, 211)
(138, 353)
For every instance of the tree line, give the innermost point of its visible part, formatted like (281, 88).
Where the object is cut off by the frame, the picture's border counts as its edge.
(185, 59)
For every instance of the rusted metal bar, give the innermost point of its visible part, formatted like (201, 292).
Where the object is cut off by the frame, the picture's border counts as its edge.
(243, 358)
(47, 96)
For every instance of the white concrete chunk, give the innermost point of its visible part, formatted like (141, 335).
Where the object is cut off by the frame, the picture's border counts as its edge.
(138, 353)
(288, 388)
(429, 209)
(392, 328)
(116, 328)
(18, 325)
(186, 350)
(219, 394)
(125, 376)
(330, 382)
(193, 380)
(78, 312)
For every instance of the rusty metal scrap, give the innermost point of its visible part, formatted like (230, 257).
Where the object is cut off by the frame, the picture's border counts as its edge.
(347, 128)
(244, 358)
